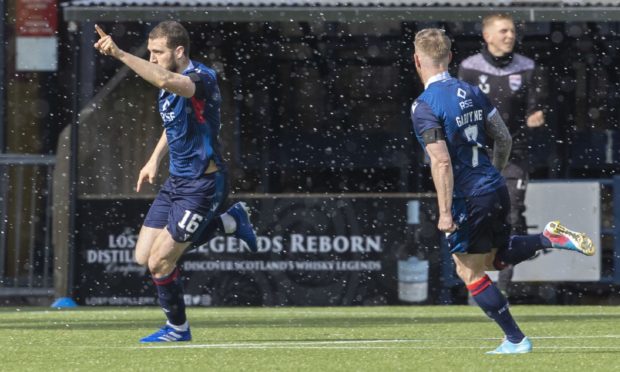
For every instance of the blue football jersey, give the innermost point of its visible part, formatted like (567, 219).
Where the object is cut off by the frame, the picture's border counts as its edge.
(193, 124)
(460, 110)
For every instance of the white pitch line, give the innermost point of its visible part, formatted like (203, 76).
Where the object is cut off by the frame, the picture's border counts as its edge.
(325, 347)
(470, 310)
(364, 344)
(412, 316)
(274, 344)
(571, 337)
(236, 313)
(340, 347)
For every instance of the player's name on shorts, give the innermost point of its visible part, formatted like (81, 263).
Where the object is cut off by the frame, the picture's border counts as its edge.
(298, 243)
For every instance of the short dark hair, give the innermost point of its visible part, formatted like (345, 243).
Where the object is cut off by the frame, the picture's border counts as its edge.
(176, 35)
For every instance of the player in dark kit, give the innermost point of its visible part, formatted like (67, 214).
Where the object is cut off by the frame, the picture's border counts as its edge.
(516, 87)
(189, 207)
(455, 123)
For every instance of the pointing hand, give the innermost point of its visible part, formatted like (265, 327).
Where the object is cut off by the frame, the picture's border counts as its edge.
(105, 45)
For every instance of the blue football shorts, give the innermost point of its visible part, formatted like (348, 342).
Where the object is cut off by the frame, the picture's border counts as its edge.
(186, 206)
(483, 222)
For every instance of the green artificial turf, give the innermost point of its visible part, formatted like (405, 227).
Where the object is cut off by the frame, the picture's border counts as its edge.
(413, 338)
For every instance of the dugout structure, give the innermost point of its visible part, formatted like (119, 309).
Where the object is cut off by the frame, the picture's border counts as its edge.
(317, 95)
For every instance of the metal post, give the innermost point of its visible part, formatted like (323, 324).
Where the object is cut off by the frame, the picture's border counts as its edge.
(74, 148)
(272, 34)
(19, 207)
(4, 211)
(616, 209)
(410, 165)
(87, 57)
(47, 260)
(31, 236)
(2, 67)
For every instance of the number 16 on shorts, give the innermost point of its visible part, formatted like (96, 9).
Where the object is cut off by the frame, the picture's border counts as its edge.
(190, 221)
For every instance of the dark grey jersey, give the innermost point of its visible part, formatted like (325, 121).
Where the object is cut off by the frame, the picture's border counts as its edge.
(516, 89)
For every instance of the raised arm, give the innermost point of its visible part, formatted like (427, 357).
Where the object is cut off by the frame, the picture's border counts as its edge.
(149, 171)
(441, 169)
(496, 129)
(158, 76)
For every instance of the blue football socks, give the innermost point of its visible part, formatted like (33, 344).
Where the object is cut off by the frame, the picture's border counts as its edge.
(520, 248)
(170, 293)
(494, 304)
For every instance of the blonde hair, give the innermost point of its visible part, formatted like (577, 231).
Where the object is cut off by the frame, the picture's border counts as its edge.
(434, 43)
(489, 19)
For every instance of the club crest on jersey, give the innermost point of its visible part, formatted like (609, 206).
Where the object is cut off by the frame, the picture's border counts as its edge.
(484, 87)
(514, 82)
(167, 116)
(165, 106)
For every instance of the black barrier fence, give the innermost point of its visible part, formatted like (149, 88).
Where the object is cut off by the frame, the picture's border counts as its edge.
(26, 250)
(323, 250)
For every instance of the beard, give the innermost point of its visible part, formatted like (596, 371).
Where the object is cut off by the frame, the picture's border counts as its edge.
(173, 66)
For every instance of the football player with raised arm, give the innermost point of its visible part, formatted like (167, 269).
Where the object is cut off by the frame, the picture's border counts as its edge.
(455, 123)
(189, 207)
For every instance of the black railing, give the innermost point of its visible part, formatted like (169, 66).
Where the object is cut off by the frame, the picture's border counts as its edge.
(26, 252)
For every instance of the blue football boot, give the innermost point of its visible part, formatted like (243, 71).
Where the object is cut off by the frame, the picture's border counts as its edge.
(245, 232)
(168, 334)
(507, 347)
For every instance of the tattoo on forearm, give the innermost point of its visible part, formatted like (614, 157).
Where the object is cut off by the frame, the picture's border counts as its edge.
(496, 128)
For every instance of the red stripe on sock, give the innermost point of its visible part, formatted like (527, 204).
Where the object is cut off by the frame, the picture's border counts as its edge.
(479, 285)
(167, 279)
